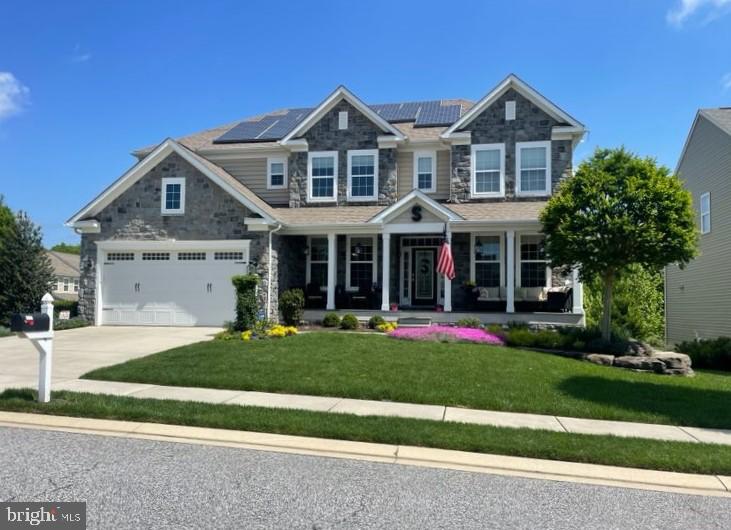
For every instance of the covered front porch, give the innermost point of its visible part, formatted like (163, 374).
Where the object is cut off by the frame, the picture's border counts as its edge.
(387, 264)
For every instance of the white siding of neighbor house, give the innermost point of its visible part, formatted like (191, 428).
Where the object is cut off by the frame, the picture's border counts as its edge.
(405, 164)
(698, 298)
(252, 172)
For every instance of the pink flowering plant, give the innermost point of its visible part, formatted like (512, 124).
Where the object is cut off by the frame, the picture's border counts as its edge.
(440, 333)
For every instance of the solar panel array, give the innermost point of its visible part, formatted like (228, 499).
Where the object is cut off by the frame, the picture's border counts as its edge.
(276, 126)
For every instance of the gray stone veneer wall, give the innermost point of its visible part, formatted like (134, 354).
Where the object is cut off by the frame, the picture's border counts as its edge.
(210, 214)
(531, 124)
(325, 136)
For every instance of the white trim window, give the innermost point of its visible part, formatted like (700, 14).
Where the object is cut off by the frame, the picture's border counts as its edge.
(533, 169)
(317, 255)
(66, 284)
(322, 176)
(361, 269)
(276, 173)
(488, 170)
(172, 200)
(487, 263)
(705, 213)
(425, 171)
(363, 175)
(533, 269)
(76, 285)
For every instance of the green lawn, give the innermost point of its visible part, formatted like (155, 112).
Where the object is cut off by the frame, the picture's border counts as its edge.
(608, 450)
(469, 375)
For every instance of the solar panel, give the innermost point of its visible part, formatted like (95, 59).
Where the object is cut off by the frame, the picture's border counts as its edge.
(434, 113)
(272, 127)
(396, 112)
(284, 124)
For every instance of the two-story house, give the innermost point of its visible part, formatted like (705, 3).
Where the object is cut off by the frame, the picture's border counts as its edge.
(697, 301)
(346, 200)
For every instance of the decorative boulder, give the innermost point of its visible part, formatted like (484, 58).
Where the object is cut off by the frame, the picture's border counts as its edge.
(669, 363)
(600, 358)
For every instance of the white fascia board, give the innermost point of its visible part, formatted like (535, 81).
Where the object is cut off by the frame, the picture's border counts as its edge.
(458, 138)
(415, 196)
(140, 169)
(172, 244)
(332, 228)
(340, 93)
(512, 81)
(90, 226)
(388, 142)
(297, 146)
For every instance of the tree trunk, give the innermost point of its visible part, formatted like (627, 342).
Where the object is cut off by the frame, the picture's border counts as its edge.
(606, 323)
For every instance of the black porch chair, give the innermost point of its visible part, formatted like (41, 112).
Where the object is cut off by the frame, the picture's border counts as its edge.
(314, 297)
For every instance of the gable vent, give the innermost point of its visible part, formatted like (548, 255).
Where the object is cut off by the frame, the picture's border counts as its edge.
(510, 110)
(343, 120)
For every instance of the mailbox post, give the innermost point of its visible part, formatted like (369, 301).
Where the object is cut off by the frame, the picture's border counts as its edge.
(38, 327)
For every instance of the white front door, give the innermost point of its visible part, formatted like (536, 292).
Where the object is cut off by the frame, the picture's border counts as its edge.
(168, 287)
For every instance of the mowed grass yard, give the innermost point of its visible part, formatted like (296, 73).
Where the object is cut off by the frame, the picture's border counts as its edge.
(467, 375)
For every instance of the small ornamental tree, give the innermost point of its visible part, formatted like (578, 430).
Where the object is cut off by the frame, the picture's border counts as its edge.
(616, 211)
(247, 306)
(25, 270)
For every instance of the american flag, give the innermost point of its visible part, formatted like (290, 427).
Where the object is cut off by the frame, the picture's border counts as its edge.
(445, 263)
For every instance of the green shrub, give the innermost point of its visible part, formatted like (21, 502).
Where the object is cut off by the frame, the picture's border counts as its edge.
(714, 354)
(567, 339)
(5, 332)
(331, 320)
(496, 329)
(349, 322)
(375, 321)
(226, 335)
(292, 306)
(72, 306)
(469, 323)
(71, 323)
(247, 306)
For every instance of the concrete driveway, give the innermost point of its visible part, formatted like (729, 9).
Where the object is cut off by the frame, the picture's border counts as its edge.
(77, 351)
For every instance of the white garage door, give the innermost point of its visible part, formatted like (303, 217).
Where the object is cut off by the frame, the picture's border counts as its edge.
(170, 284)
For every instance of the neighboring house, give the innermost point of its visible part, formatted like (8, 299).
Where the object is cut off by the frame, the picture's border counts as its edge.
(698, 297)
(66, 269)
(345, 200)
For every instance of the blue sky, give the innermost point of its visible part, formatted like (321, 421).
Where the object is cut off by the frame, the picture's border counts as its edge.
(84, 83)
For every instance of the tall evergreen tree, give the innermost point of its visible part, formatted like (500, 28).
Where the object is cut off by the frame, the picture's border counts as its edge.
(25, 270)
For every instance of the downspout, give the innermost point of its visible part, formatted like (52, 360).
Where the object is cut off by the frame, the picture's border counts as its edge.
(269, 272)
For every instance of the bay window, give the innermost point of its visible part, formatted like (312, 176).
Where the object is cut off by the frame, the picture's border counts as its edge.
(533, 168)
(322, 176)
(363, 175)
(488, 170)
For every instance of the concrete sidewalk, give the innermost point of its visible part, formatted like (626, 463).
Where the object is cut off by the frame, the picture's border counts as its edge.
(403, 410)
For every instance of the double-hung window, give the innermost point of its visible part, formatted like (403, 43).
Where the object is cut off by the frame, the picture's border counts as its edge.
(363, 175)
(317, 262)
(488, 170)
(533, 168)
(425, 177)
(361, 271)
(322, 176)
(276, 173)
(533, 262)
(65, 285)
(76, 285)
(486, 257)
(705, 213)
(173, 196)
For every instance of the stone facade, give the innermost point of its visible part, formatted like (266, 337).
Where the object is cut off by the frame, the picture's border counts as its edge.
(325, 135)
(210, 214)
(531, 124)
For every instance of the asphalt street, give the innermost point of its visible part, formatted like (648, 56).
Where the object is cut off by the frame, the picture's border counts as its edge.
(132, 483)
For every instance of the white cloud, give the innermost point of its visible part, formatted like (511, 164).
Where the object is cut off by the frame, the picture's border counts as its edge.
(726, 81)
(13, 95)
(78, 56)
(685, 9)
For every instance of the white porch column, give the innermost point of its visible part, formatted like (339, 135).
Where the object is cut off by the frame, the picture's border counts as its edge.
(332, 269)
(578, 293)
(510, 276)
(447, 281)
(385, 299)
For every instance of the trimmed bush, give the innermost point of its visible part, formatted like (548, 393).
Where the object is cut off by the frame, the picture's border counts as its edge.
(331, 320)
(568, 339)
(469, 323)
(375, 321)
(349, 322)
(292, 306)
(247, 307)
(71, 323)
(714, 354)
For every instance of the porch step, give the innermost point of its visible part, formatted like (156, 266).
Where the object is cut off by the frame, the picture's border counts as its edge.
(414, 322)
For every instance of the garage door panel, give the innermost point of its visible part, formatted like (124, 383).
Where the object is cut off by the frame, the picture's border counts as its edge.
(169, 292)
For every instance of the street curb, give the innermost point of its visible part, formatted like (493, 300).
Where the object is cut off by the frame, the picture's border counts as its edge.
(710, 485)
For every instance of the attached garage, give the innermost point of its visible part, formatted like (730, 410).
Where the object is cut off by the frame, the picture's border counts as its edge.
(168, 283)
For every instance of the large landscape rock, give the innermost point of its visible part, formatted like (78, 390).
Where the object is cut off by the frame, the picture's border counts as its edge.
(669, 363)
